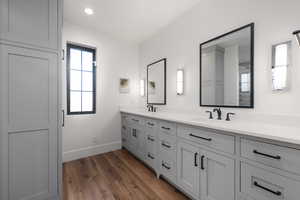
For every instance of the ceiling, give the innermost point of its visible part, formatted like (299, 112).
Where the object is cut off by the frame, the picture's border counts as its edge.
(128, 20)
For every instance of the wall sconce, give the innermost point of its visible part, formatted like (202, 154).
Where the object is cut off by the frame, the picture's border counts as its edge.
(180, 82)
(297, 34)
(142, 87)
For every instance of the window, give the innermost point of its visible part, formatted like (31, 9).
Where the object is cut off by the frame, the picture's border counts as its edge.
(245, 82)
(280, 63)
(81, 80)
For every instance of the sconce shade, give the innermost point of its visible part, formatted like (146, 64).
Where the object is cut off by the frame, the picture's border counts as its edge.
(297, 34)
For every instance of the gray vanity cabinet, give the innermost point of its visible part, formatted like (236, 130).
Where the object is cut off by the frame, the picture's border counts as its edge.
(208, 164)
(188, 171)
(217, 177)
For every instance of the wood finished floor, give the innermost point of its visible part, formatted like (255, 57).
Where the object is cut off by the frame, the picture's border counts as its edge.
(112, 176)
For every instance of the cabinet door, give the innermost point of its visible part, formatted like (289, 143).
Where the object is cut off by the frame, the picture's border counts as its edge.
(29, 129)
(188, 176)
(33, 22)
(132, 139)
(217, 177)
(141, 145)
(125, 135)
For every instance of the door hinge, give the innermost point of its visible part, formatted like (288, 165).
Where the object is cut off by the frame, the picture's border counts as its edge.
(63, 54)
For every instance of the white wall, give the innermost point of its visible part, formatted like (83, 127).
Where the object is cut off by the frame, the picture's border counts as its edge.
(179, 43)
(85, 135)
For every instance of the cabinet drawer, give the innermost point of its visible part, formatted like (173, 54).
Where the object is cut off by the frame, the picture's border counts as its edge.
(151, 124)
(135, 120)
(272, 155)
(151, 159)
(151, 144)
(167, 167)
(260, 184)
(208, 138)
(167, 146)
(167, 128)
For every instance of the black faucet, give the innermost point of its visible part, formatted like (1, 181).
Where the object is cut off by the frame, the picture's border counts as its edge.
(218, 110)
(151, 108)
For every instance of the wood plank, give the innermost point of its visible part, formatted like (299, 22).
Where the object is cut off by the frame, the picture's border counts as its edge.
(113, 176)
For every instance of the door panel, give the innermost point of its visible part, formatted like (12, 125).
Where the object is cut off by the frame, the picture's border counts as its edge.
(29, 166)
(28, 85)
(31, 132)
(217, 177)
(188, 176)
(32, 22)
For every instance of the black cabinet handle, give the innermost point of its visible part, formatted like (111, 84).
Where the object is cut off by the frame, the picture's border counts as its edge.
(165, 145)
(199, 137)
(166, 128)
(135, 120)
(202, 162)
(149, 156)
(165, 166)
(266, 155)
(195, 159)
(63, 118)
(150, 124)
(278, 193)
(151, 139)
(134, 133)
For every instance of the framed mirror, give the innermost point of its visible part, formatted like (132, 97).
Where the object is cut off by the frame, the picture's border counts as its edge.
(226, 69)
(156, 82)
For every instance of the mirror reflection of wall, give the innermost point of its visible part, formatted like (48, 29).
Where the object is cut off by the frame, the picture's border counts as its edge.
(156, 82)
(226, 67)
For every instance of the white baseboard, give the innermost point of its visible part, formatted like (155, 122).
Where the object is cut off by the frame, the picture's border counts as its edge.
(90, 151)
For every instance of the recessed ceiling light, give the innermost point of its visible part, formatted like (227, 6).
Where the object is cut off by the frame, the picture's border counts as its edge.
(88, 11)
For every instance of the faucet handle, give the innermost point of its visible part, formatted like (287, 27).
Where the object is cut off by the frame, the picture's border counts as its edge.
(228, 116)
(210, 114)
(154, 109)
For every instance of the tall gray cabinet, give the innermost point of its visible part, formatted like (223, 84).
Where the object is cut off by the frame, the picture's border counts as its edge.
(30, 148)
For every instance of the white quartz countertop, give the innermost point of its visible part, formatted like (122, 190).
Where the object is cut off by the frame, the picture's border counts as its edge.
(282, 133)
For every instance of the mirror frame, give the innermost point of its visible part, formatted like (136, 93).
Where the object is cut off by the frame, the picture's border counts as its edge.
(165, 81)
(251, 25)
